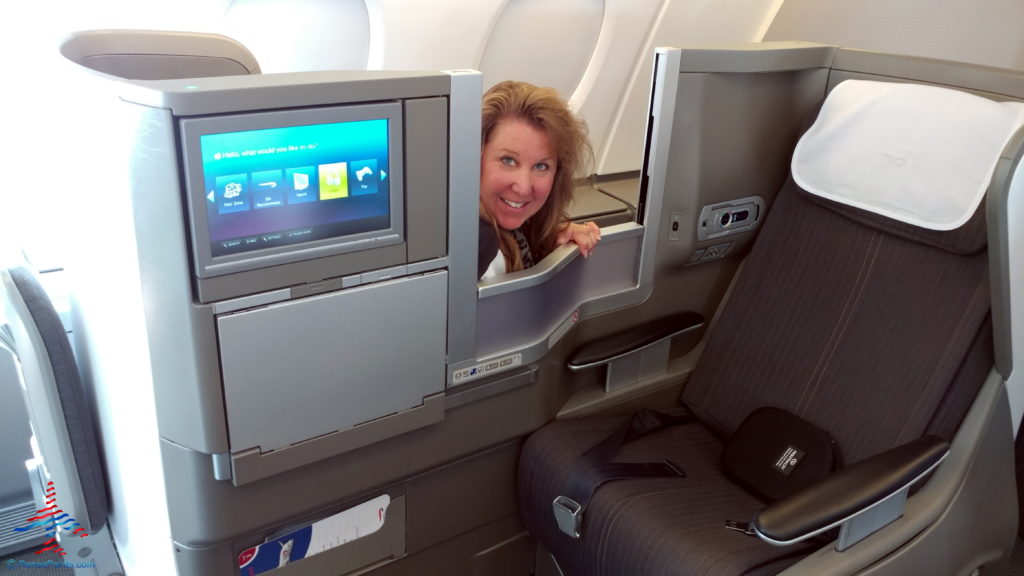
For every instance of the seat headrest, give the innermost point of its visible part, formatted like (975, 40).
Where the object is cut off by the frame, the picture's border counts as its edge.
(158, 54)
(917, 154)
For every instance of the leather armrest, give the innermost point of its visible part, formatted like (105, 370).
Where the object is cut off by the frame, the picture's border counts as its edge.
(620, 344)
(846, 493)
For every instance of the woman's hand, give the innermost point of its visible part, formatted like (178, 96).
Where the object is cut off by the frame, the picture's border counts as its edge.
(585, 235)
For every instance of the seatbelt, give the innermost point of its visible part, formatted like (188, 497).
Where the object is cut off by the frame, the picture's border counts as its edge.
(595, 467)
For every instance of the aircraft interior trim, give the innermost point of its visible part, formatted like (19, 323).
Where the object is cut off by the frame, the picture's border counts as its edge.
(261, 346)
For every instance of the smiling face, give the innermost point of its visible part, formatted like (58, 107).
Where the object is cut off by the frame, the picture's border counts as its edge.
(516, 172)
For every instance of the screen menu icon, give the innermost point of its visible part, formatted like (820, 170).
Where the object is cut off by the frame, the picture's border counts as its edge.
(268, 189)
(301, 184)
(334, 181)
(232, 194)
(365, 177)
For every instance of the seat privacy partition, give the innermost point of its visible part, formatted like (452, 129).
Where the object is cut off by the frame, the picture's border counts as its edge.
(864, 308)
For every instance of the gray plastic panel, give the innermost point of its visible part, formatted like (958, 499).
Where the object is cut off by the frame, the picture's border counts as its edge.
(627, 190)
(757, 57)
(205, 512)
(426, 178)
(14, 446)
(589, 203)
(296, 273)
(731, 137)
(955, 75)
(531, 306)
(301, 369)
(16, 502)
(463, 209)
(181, 335)
(155, 54)
(253, 465)
(195, 96)
(999, 225)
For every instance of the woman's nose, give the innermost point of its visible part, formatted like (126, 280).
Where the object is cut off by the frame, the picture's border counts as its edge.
(521, 182)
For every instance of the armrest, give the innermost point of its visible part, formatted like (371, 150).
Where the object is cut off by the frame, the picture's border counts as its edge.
(850, 492)
(605, 350)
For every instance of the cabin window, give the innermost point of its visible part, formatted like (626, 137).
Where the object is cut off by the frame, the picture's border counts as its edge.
(542, 42)
(302, 35)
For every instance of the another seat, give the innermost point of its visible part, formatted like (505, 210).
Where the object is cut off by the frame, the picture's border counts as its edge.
(159, 54)
(859, 309)
(71, 491)
(70, 486)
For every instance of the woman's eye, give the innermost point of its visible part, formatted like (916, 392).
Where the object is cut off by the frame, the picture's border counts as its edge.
(542, 166)
(508, 161)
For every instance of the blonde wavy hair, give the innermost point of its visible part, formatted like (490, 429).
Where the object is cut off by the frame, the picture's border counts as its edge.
(544, 109)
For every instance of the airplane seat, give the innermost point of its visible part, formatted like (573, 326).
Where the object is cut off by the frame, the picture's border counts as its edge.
(863, 308)
(159, 54)
(302, 35)
(67, 471)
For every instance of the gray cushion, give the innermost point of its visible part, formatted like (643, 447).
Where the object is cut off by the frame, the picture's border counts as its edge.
(646, 526)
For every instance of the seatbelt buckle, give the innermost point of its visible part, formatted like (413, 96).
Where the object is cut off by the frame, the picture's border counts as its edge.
(744, 527)
(569, 515)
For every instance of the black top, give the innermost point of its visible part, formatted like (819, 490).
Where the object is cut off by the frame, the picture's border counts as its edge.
(488, 248)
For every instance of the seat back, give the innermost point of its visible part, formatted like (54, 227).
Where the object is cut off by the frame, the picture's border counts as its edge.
(849, 312)
(159, 54)
(71, 472)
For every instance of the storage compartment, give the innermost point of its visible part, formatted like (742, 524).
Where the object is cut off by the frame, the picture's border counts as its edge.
(360, 536)
(306, 368)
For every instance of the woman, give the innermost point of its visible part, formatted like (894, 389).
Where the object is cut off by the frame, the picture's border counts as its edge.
(533, 147)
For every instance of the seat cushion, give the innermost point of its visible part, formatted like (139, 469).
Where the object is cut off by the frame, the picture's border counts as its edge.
(860, 332)
(648, 525)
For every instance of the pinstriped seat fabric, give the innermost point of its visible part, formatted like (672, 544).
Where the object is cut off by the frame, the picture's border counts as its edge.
(871, 336)
(874, 330)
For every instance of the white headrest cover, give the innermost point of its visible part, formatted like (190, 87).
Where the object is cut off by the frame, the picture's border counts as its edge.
(919, 154)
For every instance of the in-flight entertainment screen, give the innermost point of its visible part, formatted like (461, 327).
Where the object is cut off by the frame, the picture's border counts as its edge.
(274, 187)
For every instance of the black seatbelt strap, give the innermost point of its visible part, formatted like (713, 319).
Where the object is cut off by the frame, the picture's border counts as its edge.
(595, 467)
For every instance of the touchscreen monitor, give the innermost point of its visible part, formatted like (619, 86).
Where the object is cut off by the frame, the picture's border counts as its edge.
(282, 186)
